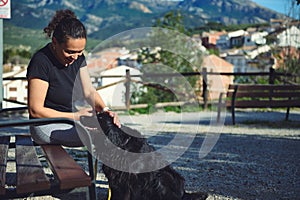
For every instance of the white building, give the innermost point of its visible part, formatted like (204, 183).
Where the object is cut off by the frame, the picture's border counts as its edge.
(15, 90)
(289, 37)
(239, 60)
(114, 95)
(256, 38)
(262, 49)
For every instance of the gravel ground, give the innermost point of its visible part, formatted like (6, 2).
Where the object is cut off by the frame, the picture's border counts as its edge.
(258, 158)
(255, 159)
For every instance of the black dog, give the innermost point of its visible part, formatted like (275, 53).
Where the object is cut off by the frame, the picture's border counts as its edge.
(128, 172)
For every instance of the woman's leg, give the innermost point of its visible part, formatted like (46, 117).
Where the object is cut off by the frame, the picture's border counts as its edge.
(62, 134)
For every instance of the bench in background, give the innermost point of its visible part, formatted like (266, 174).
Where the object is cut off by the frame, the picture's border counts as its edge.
(259, 96)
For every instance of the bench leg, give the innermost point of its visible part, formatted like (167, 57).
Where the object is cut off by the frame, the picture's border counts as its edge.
(218, 115)
(219, 106)
(287, 114)
(233, 115)
(92, 188)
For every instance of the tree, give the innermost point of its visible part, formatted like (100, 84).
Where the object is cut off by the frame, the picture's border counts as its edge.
(172, 51)
(16, 56)
(172, 20)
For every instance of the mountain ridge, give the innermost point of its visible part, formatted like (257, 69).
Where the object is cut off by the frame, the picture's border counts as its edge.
(104, 18)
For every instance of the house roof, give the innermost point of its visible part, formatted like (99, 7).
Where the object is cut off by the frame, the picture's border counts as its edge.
(105, 59)
(213, 61)
(237, 33)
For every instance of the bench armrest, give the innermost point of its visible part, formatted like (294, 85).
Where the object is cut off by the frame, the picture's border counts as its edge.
(14, 109)
(41, 121)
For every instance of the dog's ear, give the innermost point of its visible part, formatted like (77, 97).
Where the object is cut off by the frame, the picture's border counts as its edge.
(111, 131)
(105, 121)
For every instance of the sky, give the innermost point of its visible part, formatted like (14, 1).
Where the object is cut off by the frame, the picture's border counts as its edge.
(281, 6)
(277, 5)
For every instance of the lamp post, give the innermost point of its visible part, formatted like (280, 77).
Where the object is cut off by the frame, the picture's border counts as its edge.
(5, 13)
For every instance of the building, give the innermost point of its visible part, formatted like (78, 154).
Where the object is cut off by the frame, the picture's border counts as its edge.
(238, 59)
(15, 90)
(209, 40)
(114, 94)
(105, 59)
(256, 38)
(289, 37)
(223, 42)
(217, 83)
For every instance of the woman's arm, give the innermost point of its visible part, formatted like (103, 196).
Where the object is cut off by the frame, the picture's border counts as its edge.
(93, 97)
(90, 93)
(37, 90)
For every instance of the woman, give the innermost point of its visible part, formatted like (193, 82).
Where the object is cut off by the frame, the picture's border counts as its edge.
(51, 76)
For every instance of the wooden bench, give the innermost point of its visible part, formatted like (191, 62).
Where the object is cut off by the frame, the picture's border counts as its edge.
(259, 96)
(30, 176)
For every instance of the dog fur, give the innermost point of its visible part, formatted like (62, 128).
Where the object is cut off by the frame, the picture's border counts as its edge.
(162, 184)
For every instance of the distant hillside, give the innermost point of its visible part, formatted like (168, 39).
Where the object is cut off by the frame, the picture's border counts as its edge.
(104, 18)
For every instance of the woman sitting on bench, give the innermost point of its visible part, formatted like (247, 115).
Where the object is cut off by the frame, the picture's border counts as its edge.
(51, 75)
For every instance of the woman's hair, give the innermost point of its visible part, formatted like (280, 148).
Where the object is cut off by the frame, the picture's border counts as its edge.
(65, 25)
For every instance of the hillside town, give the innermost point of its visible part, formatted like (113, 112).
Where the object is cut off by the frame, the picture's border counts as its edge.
(238, 51)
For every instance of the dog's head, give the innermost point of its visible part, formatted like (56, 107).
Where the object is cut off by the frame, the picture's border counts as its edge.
(126, 138)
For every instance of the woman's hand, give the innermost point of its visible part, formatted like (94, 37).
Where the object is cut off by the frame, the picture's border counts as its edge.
(116, 118)
(83, 112)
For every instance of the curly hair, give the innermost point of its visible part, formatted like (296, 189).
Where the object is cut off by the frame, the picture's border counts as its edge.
(65, 25)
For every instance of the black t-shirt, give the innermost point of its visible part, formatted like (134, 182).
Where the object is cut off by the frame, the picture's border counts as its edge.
(61, 79)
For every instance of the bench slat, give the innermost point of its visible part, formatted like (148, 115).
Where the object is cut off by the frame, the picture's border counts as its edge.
(266, 103)
(274, 94)
(30, 174)
(4, 146)
(68, 172)
(266, 87)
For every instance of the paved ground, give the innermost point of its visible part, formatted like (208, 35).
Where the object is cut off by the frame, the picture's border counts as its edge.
(258, 158)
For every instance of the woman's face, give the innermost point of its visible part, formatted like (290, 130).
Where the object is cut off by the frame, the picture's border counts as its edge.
(69, 51)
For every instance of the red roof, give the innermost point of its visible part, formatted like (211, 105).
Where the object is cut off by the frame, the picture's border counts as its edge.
(217, 63)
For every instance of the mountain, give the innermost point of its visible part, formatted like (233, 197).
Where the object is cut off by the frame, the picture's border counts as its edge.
(101, 17)
(227, 12)
(104, 18)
